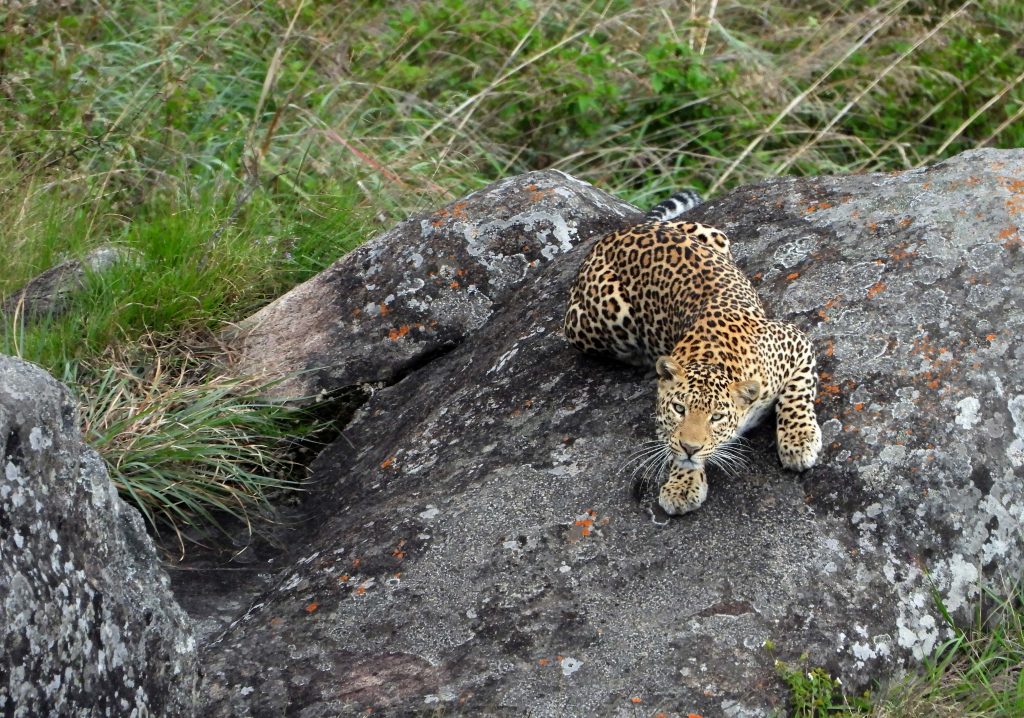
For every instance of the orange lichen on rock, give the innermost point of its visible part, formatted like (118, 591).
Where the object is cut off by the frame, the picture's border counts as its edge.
(585, 525)
(537, 194)
(1013, 184)
(817, 207)
(1010, 237)
(398, 552)
(439, 217)
(831, 389)
(388, 462)
(397, 333)
(875, 289)
(823, 312)
(312, 606)
(793, 275)
(900, 253)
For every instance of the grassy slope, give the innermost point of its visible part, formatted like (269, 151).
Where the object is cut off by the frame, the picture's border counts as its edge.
(237, 148)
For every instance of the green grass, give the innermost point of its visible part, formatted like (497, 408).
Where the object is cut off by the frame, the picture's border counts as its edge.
(187, 266)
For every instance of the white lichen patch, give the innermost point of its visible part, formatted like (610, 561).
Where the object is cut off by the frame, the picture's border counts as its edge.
(917, 631)
(570, 665)
(894, 453)
(791, 253)
(38, 440)
(1015, 450)
(967, 412)
(959, 581)
(504, 359)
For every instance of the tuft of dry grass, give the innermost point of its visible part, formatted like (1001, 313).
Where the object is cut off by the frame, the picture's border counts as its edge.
(189, 444)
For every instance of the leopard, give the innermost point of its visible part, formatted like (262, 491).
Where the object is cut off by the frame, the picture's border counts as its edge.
(666, 293)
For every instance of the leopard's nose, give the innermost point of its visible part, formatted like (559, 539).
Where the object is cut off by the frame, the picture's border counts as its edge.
(690, 449)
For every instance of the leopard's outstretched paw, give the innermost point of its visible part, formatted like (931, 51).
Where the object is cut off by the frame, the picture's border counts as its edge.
(684, 491)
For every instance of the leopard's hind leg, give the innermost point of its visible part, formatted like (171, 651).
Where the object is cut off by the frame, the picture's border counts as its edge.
(599, 317)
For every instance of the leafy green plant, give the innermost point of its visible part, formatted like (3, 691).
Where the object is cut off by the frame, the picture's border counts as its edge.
(815, 694)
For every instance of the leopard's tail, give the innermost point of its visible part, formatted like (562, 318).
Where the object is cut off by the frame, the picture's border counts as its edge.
(678, 204)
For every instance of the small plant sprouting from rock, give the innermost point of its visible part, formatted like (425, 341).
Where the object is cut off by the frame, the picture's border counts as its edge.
(813, 691)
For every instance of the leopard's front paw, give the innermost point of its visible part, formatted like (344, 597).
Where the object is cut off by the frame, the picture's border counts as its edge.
(799, 447)
(684, 491)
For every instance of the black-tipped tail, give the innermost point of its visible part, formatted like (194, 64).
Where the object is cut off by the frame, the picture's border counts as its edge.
(678, 204)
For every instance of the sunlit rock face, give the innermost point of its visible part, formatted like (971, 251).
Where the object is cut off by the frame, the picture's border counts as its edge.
(474, 544)
(416, 291)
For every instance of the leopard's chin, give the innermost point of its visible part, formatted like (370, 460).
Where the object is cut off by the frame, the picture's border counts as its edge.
(690, 463)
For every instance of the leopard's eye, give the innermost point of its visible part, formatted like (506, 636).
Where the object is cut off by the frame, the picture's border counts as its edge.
(678, 408)
(717, 416)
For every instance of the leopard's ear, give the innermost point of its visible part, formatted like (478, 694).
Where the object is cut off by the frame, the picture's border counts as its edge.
(745, 392)
(668, 368)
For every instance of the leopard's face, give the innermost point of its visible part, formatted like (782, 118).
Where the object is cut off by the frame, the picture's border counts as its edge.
(699, 410)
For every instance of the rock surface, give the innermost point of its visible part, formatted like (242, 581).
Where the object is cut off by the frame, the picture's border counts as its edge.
(415, 292)
(88, 626)
(48, 293)
(475, 547)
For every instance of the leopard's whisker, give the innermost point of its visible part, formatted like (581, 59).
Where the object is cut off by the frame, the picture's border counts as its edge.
(646, 448)
(656, 458)
(639, 463)
(655, 469)
(652, 463)
(727, 459)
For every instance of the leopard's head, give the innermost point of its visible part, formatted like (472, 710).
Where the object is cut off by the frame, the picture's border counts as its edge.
(700, 409)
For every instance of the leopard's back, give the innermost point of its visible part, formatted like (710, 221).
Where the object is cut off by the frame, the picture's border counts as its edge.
(641, 289)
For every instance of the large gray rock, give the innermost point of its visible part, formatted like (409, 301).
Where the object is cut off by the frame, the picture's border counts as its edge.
(416, 291)
(476, 546)
(88, 624)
